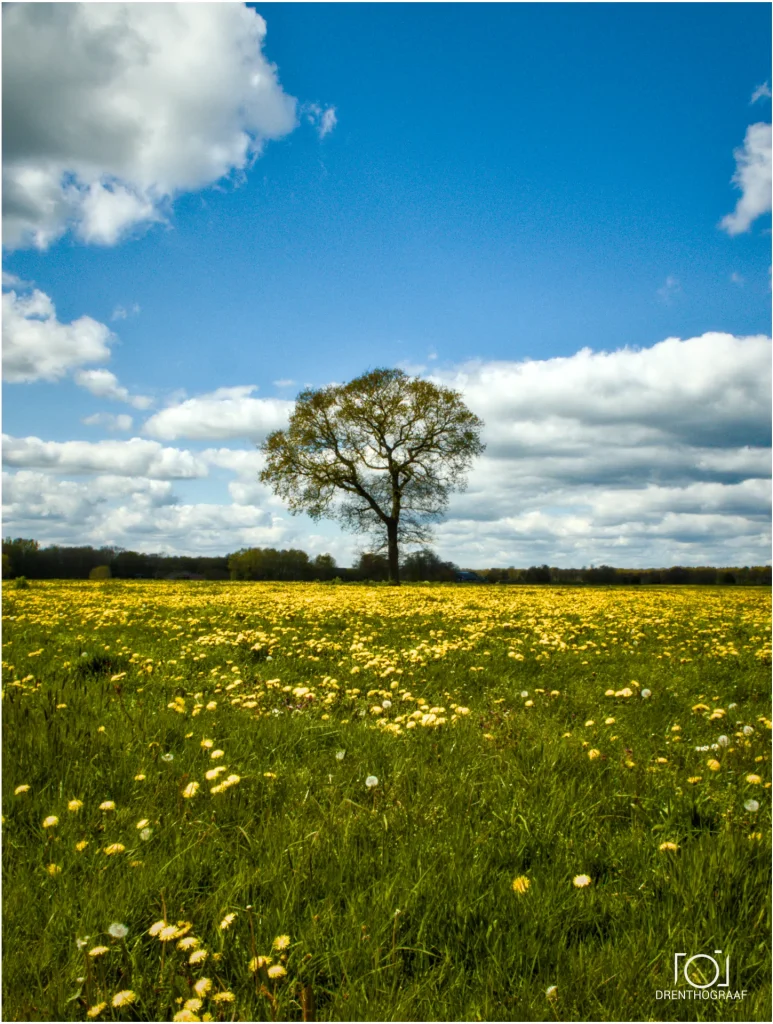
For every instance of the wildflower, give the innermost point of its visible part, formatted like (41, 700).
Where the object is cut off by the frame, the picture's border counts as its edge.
(386, 704)
(524, 693)
(50, 821)
(751, 805)
(528, 704)
(371, 781)
(167, 757)
(269, 775)
(114, 848)
(190, 790)
(753, 780)
(551, 992)
(21, 789)
(98, 951)
(142, 823)
(74, 805)
(593, 754)
(214, 772)
(216, 754)
(723, 741)
(227, 921)
(156, 927)
(748, 730)
(646, 693)
(609, 721)
(207, 744)
(521, 884)
(340, 754)
(185, 1015)
(755, 835)
(124, 998)
(145, 834)
(695, 779)
(140, 777)
(233, 780)
(713, 765)
(259, 961)
(202, 986)
(168, 932)
(118, 930)
(281, 942)
(54, 869)
(192, 1004)
(96, 1009)
(189, 942)
(223, 997)
(101, 728)
(589, 723)
(276, 971)
(81, 846)
(198, 956)
(580, 881)
(107, 805)
(668, 847)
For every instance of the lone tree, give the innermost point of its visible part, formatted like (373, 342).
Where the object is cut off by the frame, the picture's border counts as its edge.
(380, 454)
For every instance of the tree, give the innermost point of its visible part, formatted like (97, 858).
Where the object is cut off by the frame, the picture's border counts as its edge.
(380, 454)
(426, 565)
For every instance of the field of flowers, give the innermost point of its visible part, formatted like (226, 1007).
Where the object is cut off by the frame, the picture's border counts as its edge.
(246, 801)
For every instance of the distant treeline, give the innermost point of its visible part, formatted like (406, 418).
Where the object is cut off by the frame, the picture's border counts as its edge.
(27, 558)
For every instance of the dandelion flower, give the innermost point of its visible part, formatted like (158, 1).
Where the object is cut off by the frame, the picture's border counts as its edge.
(521, 884)
(185, 1015)
(189, 942)
(198, 956)
(156, 927)
(192, 1004)
(207, 744)
(551, 992)
(74, 805)
(593, 754)
(190, 790)
(118, 930)
(713, 765)
(98, 951)
(124, 998)
(269, 775)
(202, 986)
(168, 932)
(114, 848)
(276, 971)
(140, 777)
(281, 942)
(589, 723)
(609, 721)
(216, 754)
(371, 781)
(695, 779)
(259, 961)
(753, 780)
(223, 997)
(81, 846)
(751, 805)
(227, 921)
(21, 789)
(54, 869)
(214, 772)
(96, 1009)
(580, 881)
(668, 847)
(107, 805)
(233, 780)
(50, 821)
(145, 834)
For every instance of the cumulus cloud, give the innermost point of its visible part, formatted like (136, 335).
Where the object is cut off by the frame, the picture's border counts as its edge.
(229, 412)
(36, 346)
(111, 110)
(135, 457)
(761, 92)
(753, 177)
(104, 384)
(324, 119)
(121, 422)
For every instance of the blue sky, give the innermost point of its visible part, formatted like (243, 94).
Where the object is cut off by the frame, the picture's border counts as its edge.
(492, 183)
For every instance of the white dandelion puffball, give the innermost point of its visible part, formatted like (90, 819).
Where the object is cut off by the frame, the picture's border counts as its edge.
(386, 704)
(646, 694)
(748, 730)
(340, 755)
(723, 741)
(752, 805)
(371, 781)
(118, 930)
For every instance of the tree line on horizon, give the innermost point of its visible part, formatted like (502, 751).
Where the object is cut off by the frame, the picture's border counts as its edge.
(26, 558)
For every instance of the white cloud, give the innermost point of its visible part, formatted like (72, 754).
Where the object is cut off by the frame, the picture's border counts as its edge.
(108, 420)
(668, 292)
(122, 313)
(753, 177)
(111, 110)
(286, 382)
(323, 119)
(104, 384)
(135, 457)
(225, 413)
(737, 279)
(761, 92)
(36, 346)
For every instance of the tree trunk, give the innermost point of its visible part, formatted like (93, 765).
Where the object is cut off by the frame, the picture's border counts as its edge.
(392, 553)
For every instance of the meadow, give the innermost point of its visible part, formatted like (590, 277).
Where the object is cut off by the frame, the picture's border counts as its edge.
(258, 801)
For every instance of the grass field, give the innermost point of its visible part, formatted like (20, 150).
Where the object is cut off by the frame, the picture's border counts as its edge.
(193, 829)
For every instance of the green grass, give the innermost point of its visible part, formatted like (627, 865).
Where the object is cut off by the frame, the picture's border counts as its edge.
(398, 900)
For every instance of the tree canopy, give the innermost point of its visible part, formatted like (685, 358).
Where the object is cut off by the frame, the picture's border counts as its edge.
(380, 454)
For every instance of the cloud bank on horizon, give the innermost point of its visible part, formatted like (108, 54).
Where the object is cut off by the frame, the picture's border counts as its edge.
(633, 455)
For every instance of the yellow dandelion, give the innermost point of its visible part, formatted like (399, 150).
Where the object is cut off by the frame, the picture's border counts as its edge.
(98, 951)
(194, 1004)
(216, 754)
(593, 754)
(124, 998)
(609, 721)
(156, 927)
(50, 821)
(269, 775)
(753, 780)
(227, 921)
(695, 779)
(668, 847)
(223, 997)
(185, 1015)
(521, 884)
(259, 961)
(142, 823)
(54, 869)
(21, 789)
(198, 956)
(74, 805)
(214, 772)
(207, 744)
(189, 942)
(114, 848)
(276, 971)
(140, 777)
(713, 765)
(202, 986)
(81, 846)
(191, 790)
(281, 942)
(755, 835)
(581, 881)
(96, 1009)
(107, 805)
(169, 932)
